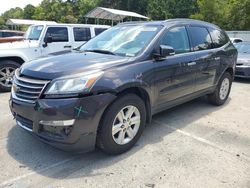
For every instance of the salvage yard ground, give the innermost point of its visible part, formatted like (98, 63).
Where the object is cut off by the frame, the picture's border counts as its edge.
(192, 145)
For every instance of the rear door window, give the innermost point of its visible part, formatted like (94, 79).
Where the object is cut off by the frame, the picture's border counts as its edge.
(58, 34)
(99, 30)
(178, 39)
(200, 38)
(219, 37)
(81, 34)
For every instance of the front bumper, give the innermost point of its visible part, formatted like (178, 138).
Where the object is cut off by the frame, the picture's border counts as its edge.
(85, 112)
(242, 71)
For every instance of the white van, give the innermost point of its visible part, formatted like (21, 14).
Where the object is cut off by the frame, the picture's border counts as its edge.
(41, 40)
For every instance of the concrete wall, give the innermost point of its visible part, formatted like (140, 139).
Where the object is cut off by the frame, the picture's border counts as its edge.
(245, 35)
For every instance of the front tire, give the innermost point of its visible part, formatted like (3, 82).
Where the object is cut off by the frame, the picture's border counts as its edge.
(122, 124)
(222, 91)
(7, 71)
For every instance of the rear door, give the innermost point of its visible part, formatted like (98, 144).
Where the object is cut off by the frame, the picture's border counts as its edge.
(207, 62)
(174, 76)
(60, 40)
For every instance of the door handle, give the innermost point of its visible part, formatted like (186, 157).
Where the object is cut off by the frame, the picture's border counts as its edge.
(191, 63)
(67, 46)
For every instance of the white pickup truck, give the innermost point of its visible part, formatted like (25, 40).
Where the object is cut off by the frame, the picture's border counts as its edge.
(42, 40)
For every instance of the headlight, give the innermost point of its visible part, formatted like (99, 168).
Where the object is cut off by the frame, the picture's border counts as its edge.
(73, 85)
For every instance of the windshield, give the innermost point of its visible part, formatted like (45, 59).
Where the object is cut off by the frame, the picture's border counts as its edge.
(243, 47)
(122, 40)
(34, 32)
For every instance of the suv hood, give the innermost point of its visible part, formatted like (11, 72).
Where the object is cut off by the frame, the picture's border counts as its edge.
(18, 45)
(49, 68)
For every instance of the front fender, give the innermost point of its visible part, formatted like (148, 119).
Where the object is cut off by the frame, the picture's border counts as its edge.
(4, 54)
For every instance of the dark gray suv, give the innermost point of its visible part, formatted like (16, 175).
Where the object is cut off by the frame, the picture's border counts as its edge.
(105, 92)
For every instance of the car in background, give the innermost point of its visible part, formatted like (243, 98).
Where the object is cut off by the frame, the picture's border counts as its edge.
(104, 93)
(236, 40)
(10, 33)
(11, 36)
(243, 61)
(42, 40)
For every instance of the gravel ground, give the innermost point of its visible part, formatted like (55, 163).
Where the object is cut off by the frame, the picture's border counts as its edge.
(192, 145)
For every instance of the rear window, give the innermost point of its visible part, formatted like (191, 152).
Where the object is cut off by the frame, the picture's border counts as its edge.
(99, 30)
(219, 37)
(200, 38)
(82, 34)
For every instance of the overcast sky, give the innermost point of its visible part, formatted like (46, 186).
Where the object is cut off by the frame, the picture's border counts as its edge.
(8, 4)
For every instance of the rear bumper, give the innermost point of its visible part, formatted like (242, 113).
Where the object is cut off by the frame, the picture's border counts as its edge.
(242, 71)
(84, 114)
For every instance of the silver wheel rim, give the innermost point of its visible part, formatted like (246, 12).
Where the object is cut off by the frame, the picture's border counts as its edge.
(126, 125)
(224, 88)
(6, 76)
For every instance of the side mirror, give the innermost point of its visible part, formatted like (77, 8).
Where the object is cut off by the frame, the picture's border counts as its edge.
(47, 40)
(164, 51)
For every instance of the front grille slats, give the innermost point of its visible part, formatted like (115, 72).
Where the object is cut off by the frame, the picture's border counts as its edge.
(27, 89)
(27, 85)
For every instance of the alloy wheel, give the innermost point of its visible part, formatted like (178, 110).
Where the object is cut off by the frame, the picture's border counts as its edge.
(126, 125)
(224, 88)
(6, 76)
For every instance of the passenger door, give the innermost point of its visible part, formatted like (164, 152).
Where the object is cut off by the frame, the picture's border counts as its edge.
(207, 60)
(174, 76)
(60, 40)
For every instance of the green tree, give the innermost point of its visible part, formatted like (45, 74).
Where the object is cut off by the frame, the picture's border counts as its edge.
(239, 15)
(28, 11)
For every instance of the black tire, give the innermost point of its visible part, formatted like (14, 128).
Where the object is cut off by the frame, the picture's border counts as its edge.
(7, 64)
(105, 139)
(215, 98)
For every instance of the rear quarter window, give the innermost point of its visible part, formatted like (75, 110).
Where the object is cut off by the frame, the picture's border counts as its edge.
(200, 38)
(219, 37)
(81, 34)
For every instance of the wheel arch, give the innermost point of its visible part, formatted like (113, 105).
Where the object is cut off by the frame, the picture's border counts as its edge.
(17, 59)
(143, 94)
(140, 92)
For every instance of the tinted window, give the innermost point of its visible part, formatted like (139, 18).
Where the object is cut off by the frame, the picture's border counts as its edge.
(178, 39)
(200, 38)
(58, 34)
(99, 30)
(8, 34)
(219, 37)
(82, 34)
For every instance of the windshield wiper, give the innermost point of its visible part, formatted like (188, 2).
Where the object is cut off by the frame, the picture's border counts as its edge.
(100, 51)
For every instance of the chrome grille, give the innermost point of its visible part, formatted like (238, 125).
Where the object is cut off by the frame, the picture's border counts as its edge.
(27, 89)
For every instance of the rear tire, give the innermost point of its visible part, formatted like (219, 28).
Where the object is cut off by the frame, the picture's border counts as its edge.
(122, 125)
(222, 91)
(7, 71)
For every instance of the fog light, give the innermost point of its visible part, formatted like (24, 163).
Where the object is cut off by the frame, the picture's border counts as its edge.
(58, 123)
